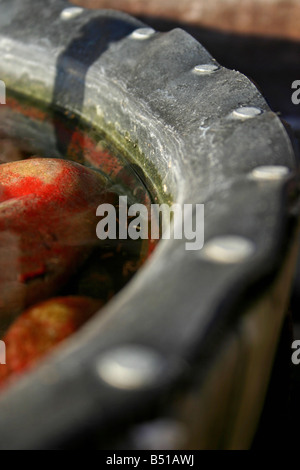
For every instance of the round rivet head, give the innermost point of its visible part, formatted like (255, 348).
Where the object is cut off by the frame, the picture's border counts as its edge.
(228, 249)
(129, 367)
(270, 172)
(162, 434)
(204, 69)
(142, 33)
(246, 112)
(69, 13)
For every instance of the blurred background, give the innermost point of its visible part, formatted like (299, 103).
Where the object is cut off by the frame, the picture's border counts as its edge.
(260, 38)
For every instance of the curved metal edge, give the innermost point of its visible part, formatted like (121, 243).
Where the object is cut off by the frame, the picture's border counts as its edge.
(148, 90)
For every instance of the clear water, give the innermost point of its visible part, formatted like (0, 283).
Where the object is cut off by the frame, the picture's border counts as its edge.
(28, 131)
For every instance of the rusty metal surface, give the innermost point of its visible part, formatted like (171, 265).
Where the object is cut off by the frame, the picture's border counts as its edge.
(277, 18)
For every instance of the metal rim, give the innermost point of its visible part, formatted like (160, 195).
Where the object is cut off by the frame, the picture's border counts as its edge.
(148, 90)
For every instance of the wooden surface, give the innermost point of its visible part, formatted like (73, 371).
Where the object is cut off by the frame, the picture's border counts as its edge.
(277, 18)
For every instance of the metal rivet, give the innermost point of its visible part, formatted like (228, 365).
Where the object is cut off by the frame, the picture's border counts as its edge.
(228, 249)
(142, 33)
(129, 367)
(270, 172)
(72, 12)
(206, 68)
(163, 434)
(246, 112)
